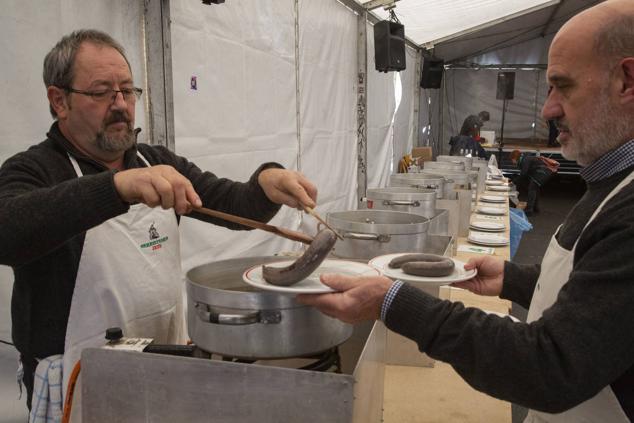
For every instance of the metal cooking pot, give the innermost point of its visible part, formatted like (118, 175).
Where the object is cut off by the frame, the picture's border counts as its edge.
(421, 182)
(368, 233)
(459, 166)
(468, 161)
(461, 179)
(229, 317)
(404, 199)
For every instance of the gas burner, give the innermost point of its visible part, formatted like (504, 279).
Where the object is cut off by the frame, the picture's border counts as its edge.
(327, 361)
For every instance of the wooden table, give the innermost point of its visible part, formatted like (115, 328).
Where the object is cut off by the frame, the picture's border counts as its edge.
(438, 393)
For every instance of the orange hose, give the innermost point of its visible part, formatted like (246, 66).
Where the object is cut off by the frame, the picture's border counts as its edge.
(68, 401)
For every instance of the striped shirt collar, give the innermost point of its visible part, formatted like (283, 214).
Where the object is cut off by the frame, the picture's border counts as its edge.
(610, 163)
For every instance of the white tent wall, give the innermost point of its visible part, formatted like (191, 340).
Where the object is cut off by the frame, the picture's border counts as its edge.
(327, 75)
(404, 137)
(244, 110)
(242, 113)
(380, 115)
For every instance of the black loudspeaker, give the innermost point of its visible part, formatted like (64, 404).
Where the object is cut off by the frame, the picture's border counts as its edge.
(431, 76)
(389, 46)
(506, 86)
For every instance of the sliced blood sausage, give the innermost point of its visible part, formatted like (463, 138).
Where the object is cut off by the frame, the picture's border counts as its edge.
(301, 268)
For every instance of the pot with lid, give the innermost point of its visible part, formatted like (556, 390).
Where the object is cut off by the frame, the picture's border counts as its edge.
(468, 161)
(371, 233)
(405, 199)
(227, 316)
(420, 181)
(456, 166)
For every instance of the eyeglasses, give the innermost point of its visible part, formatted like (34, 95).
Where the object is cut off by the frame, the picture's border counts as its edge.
(109, 95)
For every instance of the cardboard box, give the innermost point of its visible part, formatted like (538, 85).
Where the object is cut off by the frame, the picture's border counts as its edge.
(422, 154)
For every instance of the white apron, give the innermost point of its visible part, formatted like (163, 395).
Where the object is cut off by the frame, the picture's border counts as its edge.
(129, 276)
(555, 270)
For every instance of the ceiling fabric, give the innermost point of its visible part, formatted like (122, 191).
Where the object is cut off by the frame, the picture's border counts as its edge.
(430, 21)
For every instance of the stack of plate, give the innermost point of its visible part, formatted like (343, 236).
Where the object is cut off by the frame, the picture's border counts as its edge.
(488, 226)
(494, 211)
(494, 182)
(493, 199)
(490, 240)
(503, 188)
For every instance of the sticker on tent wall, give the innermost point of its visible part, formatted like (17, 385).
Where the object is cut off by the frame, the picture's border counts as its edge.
(193, 83)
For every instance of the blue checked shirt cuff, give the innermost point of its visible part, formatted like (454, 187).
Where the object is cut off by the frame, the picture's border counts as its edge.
(389, 297)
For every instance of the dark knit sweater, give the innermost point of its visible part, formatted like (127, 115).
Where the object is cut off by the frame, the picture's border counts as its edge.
(583, 343)
(45, 211)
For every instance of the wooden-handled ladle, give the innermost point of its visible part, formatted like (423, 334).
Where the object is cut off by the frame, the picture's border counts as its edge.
(283, 232)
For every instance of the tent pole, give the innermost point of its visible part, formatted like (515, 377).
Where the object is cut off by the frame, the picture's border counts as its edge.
(362, 135)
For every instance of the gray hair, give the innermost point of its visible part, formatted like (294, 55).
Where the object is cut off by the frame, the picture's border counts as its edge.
(615, 40)
(59, 62)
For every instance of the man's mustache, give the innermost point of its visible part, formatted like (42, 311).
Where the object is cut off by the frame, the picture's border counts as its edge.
(117, 117)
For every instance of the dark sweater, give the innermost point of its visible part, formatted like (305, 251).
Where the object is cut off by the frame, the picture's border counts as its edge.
(580, 345)
(45, 210)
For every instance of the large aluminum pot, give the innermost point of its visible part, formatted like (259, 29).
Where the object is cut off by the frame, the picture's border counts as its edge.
(229, 317)
(431, 166)
(461, 179)
(369, 233)
(421, 182)
(468, 161)
(404, 199)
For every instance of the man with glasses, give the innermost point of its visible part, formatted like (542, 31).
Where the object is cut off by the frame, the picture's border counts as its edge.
(81, 228)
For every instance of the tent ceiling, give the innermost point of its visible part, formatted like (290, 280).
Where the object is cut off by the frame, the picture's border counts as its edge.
(461, 29)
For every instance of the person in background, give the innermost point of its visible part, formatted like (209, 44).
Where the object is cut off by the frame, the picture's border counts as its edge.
(465, 143)
(573, 359)
(473, 123)
(90, 217)
(535, 171)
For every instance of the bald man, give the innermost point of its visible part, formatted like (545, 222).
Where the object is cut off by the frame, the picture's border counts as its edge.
(573, 360)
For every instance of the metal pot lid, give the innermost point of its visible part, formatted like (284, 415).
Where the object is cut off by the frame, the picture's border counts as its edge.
(418, 178)
(401, 193)
(444, 165)
(459, 177)
(381, 222)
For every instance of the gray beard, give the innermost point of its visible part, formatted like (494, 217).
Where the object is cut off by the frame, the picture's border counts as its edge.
(604, 131)
(115, 145)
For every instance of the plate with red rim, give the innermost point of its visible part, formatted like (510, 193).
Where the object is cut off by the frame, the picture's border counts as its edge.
(459, 274)
(312, 284)
(494, 211)
(488, 239)
(494, 182)
(479, 225)
(493, 198)
(502, 188)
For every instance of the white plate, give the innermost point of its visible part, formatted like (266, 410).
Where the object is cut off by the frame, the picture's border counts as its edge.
(488, 226)
(493, 199)
(503, 188)
(495, 211)
(459, 274)
(495, 193)
(493, 182)
(312, 284)
(491, 240)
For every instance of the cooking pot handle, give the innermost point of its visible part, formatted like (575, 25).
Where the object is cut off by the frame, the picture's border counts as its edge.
(208, 314)
(428, 186)
(401, 203)
(367, 237)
